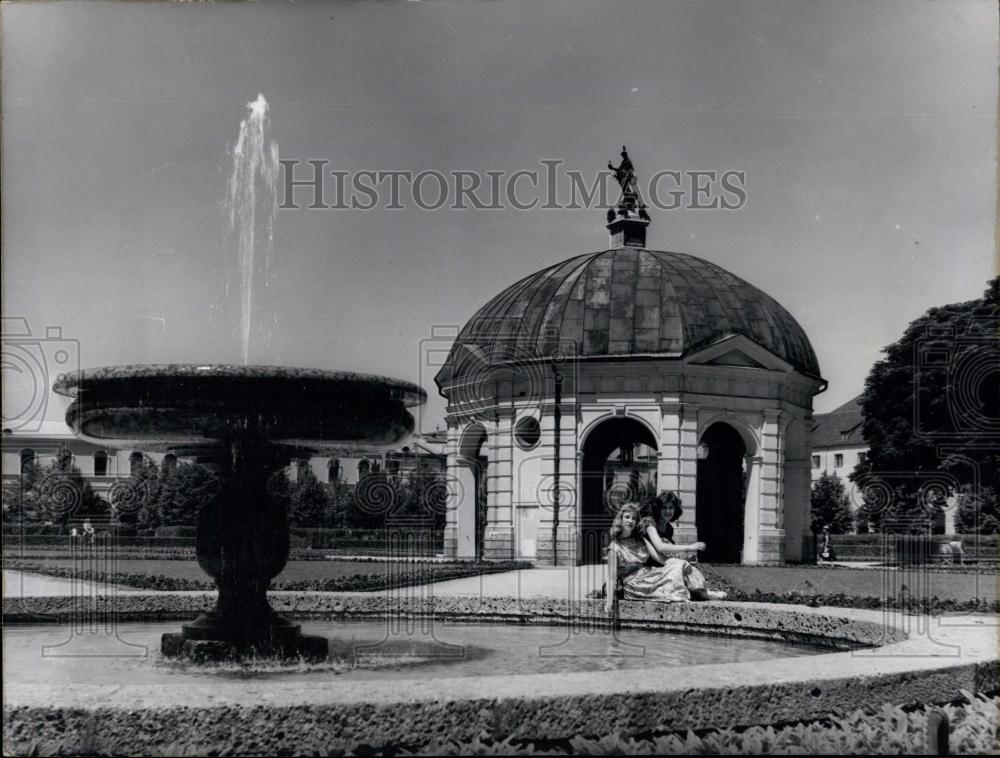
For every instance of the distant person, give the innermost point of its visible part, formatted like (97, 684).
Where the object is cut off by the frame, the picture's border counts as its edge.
(88, 531)
(73, 533)
(827, 553)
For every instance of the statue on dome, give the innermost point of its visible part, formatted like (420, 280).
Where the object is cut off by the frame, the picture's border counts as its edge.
(625, 173)
(629, 201)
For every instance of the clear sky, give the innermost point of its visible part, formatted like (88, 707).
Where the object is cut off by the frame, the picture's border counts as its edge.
(866, 131)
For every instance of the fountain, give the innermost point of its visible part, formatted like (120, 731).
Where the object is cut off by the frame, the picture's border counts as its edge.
(246, 422)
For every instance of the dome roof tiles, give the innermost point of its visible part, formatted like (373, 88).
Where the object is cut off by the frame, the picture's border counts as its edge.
(626, 302)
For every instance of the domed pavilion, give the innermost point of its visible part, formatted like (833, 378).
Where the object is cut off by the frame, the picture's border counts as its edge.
(619, 373)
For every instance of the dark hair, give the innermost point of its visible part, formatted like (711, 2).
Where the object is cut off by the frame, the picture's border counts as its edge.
(668, 502)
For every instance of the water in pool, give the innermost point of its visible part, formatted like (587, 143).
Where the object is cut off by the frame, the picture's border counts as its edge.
(372, 650)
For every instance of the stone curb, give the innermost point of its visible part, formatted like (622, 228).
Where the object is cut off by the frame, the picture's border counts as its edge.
(903, 663)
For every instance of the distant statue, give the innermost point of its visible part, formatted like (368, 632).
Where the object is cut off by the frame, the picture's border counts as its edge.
(625, 173)
(625, 176)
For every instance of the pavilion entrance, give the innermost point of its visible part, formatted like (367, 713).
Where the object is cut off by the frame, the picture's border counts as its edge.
(619, 464)
(721, 494)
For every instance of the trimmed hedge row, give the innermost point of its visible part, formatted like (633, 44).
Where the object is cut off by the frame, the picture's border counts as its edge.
(875, 547)
(64, 541)
(345, 541)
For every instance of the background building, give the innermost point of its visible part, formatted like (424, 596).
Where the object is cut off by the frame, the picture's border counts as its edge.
(837, 443)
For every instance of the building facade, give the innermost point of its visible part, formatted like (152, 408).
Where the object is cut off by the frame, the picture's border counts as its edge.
(837, 442)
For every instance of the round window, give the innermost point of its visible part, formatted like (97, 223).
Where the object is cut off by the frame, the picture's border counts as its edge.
(527, 432)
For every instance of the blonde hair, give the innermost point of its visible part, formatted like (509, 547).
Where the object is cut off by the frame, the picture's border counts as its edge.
(617, 528)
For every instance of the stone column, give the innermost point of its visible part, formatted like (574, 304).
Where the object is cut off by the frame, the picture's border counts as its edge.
(770, 545)
(677, 468)
(567, 533)
(498, 542)
(460, 520)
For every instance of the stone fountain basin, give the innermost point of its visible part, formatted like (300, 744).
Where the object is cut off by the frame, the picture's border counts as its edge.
(905, 659)
(159, 407)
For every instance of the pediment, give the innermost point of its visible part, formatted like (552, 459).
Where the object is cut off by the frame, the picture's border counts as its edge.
(738, 350)
(734, 358)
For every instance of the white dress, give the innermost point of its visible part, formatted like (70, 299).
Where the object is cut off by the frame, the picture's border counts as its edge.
(642, 579)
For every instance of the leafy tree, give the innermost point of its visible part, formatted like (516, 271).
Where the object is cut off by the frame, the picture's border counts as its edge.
(934, 387)
(20, 496)
(308, 502)
(831, 506)
(423, 493)
(63, 494)
(184, 490)
(134, 498)
(341, 500)
(978, 511)
(375, 498)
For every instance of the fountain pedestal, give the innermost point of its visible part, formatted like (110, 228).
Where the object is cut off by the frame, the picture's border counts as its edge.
(246, 423)
(242, 543)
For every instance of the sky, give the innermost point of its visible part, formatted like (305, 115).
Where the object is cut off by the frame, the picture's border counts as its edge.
(866, 132)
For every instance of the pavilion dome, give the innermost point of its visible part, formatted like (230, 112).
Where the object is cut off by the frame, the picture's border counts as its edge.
(627, 302)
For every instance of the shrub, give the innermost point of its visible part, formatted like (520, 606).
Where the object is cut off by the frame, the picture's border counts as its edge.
(175, 531)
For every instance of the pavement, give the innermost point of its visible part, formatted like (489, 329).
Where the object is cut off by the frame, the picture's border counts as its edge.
(24, 584)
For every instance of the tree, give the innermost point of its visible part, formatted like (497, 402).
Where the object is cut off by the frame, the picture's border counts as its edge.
(308, 502)
(374, 499)
(184, 490)
(20, 496)
(133, 499)
(927, 405)
(978, 511)
(831, 506)
(63, 494)
(423, 494)
(341, 499)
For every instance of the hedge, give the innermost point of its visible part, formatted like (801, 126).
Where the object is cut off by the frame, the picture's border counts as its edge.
(869, 547)
(176, 531)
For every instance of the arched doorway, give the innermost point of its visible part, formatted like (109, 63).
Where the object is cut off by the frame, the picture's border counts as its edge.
(721, 493)
(619, 463)
(472, 513)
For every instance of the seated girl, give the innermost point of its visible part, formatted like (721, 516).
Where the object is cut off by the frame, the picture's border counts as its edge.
(657, 516)
(644, 574)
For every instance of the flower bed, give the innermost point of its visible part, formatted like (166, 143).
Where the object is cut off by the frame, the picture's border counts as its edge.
(889, 730)
(403, 575)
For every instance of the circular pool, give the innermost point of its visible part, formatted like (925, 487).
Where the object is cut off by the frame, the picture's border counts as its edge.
(531, 668)
(127, 653)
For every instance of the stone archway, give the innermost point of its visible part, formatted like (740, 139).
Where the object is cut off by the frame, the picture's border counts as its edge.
(721, 487)
(602, 486)
(472, 467)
